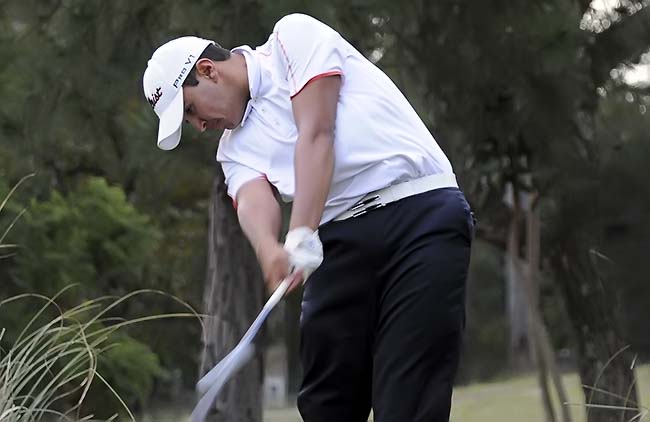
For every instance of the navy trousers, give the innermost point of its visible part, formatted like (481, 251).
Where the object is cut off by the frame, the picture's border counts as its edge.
(382, 317)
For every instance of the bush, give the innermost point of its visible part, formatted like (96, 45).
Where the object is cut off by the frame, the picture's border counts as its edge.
(92, 237)
(130, 368)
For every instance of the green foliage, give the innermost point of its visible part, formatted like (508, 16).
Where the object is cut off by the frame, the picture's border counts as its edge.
(130, 367)
(92, 237)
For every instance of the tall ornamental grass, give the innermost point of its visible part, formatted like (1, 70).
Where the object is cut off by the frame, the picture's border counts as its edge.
(47, 372)
(48, 366)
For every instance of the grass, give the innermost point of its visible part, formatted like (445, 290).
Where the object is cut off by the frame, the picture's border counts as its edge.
(53, 361)
(513, 400)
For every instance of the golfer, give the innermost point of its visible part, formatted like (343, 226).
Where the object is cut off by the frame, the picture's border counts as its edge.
(308, 118)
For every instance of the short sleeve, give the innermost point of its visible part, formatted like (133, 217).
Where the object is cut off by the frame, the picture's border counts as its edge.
(309, 49)
(236, 175)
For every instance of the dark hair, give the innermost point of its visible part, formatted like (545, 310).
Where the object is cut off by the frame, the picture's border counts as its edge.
(213, 52)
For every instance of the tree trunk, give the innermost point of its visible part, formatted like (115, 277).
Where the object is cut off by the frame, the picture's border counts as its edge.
(535, 321)
(604, 362)
(542, 379)
(233, 296)
(543, 346)
(546, 350)
(516, 299)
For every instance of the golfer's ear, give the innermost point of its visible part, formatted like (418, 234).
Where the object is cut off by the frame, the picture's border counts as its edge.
(206, 68)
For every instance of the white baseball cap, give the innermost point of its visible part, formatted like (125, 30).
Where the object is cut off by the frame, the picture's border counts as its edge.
(163, 84)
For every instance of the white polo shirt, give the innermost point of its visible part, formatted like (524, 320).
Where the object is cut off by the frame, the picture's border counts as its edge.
(379, 139)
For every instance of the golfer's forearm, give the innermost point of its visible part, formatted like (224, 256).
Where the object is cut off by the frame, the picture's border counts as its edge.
(260, 218)
(314, 165)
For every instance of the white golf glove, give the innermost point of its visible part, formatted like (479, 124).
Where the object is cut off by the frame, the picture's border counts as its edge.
(305, 250)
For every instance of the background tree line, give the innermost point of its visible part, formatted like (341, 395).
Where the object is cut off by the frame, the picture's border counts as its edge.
(529, 101)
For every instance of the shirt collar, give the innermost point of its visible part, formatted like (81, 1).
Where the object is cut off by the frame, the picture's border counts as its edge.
(254, 76)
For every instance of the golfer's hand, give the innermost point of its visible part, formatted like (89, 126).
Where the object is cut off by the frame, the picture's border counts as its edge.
(274, 260)
(305, 250)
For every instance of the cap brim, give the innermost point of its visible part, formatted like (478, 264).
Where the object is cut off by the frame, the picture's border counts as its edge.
(171, 122)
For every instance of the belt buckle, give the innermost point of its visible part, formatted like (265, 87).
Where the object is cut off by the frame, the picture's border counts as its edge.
(362, 207)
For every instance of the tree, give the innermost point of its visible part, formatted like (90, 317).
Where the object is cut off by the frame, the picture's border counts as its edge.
(233, 296)
(74, 108)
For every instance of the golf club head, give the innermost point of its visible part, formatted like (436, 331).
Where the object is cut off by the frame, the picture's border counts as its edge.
(224, 365)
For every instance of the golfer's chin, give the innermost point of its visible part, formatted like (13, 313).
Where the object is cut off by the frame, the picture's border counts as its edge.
(220, 124)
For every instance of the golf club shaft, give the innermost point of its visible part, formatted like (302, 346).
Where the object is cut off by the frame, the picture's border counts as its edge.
(208, 379)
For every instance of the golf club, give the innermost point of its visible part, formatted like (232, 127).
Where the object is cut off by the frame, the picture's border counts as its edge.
(212, 382)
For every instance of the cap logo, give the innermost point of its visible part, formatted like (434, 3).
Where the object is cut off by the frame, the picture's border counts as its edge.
(153, 100)
(184, 70)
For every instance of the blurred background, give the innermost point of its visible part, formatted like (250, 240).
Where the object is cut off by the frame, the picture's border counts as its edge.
(542, 108)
